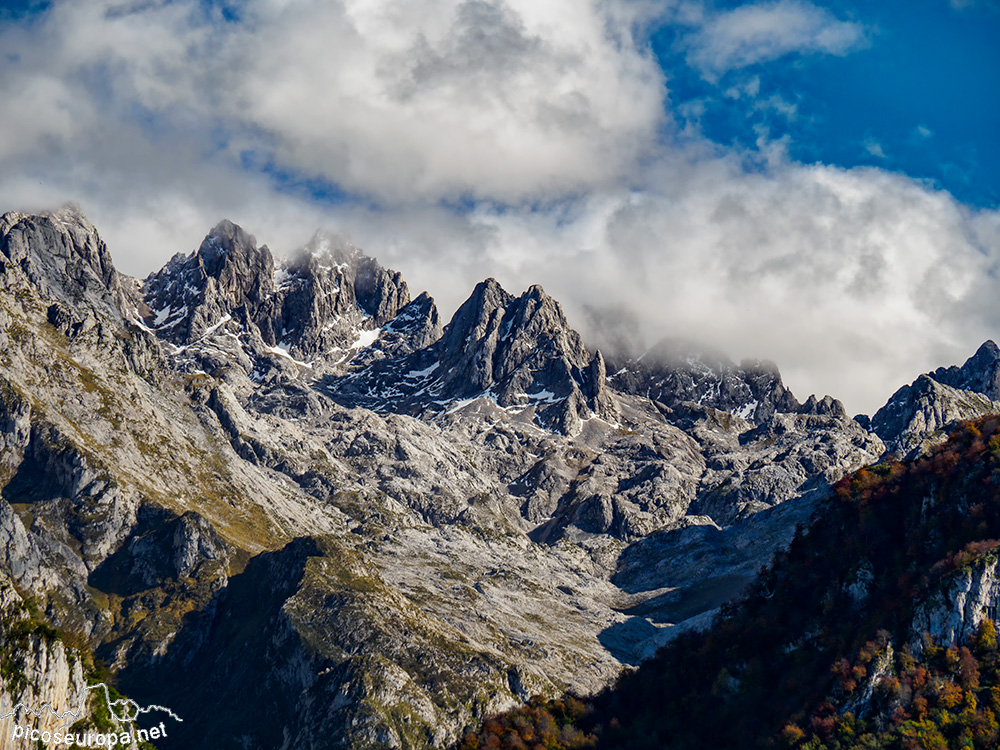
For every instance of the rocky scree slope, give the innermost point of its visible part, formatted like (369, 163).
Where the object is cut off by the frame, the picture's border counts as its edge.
(287, 475)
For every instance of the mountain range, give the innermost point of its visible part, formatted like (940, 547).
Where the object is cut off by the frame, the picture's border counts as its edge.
(288, 502)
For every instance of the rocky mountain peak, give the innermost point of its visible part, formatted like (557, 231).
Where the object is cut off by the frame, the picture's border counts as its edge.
(676, 371)
(242, 271)
(62, 254)
(416, 326)
(521, 350)
(194, 292)
(494, 334)
(353, 277)
(476, 319)
(517, 351)
(325, 248)
(224, 240)
(536, 315)
(938, 399)
(324, 303)
(980, 373)
(824, 407)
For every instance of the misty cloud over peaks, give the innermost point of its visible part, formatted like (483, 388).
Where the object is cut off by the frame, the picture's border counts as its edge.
(853, 281)
(533, 142)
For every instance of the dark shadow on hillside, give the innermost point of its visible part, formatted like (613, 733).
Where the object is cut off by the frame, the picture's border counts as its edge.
(679, 605)
(222, 672)
(624, 640)
(689, 555)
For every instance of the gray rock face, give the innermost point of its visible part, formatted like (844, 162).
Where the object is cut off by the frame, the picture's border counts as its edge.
(193, 293)
(75, 497)
(789, 456)
(825, 407)
(953, 612)
(161, 550)
(42, 681)
(229, 303)
(416, 326)
(684, 573)
(917, 415)
(62, 255)
(327, 289)
(674, 372)
(980, 373)
(15, 430)
(520, 352)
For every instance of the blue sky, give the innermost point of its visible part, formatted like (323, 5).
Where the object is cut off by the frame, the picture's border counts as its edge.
(920, 96)
(817, 183)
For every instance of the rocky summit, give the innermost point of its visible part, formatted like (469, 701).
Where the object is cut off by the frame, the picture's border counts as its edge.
(275, 495)
(918, 415)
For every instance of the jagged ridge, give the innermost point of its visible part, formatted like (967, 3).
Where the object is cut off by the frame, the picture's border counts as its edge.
(518, 351)
(918, 415)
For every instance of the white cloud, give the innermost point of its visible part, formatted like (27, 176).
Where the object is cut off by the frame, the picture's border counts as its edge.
(497, 100)
(854, 281)
(765, 31)
(874, 148)
(553, 116)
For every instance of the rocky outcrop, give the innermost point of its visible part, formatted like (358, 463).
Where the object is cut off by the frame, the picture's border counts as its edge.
(162, 550)
(61, 254)
(59, 262)
(230, 302)
(626, 485)
(824, 407)
(15, 429)
(675, 372)
(71, 496)
(417, 325)
(789, 456)
(227, 273)
(918, 415)
(980, 373)
(518, 352)
(954, 610)
(43, 685)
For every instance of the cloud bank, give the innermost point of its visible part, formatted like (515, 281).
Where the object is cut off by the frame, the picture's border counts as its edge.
(529, 141)
(762, 32)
